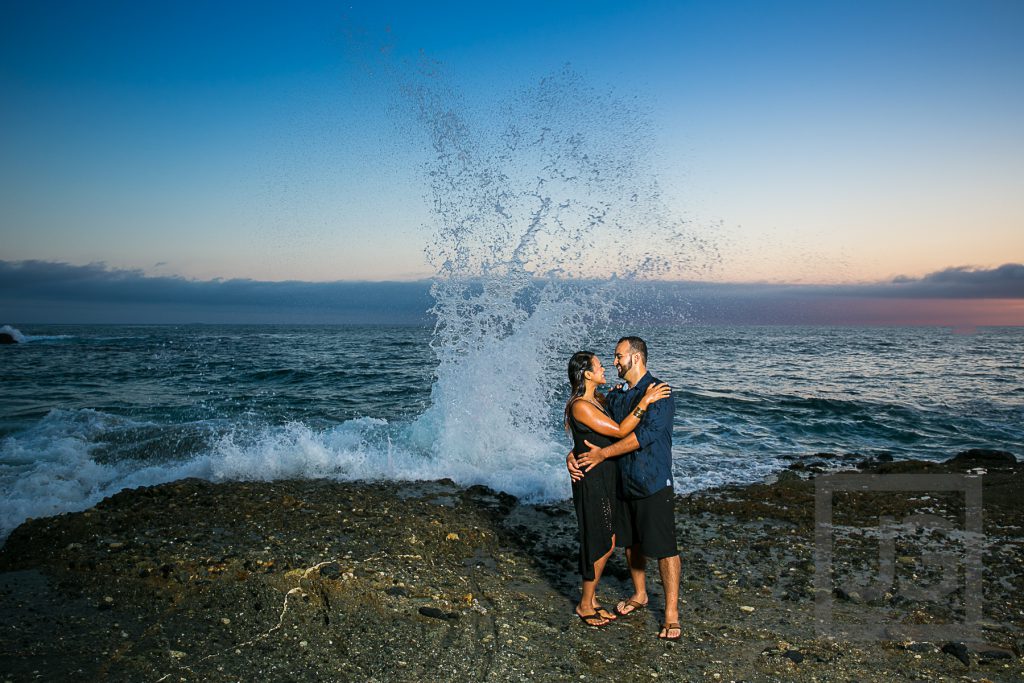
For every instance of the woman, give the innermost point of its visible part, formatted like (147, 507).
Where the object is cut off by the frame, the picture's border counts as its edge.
(595, 495)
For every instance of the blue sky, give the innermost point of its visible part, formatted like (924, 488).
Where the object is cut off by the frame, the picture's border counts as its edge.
(818, 143)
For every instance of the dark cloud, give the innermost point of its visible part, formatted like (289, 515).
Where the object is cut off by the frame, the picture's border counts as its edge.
(96, 293)
(962, 282)
(1004, 282)
(42, 291)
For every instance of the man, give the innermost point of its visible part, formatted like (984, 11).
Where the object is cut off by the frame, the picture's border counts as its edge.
(647, 513)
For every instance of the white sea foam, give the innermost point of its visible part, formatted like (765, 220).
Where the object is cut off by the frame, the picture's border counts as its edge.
(47, 337)
(54, 467)
(15, 333)
(697, 469)
(50, 468)
(22, 338)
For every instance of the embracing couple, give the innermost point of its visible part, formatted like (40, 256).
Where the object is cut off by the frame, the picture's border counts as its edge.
(621, 467)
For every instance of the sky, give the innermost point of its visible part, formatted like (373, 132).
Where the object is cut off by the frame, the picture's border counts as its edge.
(826, 149)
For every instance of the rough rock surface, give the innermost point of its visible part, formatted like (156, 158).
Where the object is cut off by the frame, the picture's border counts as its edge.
(320, 580)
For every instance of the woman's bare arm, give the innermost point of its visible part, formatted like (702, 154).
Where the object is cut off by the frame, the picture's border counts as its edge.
(593, 417)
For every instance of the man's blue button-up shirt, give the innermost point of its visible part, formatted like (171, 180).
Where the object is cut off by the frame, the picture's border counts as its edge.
(649, 469)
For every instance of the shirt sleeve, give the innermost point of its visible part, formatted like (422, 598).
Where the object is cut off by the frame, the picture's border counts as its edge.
(657, 422)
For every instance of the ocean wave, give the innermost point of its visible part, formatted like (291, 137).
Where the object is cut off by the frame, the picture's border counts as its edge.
(22, 338)
(13, 333)
(70, 460)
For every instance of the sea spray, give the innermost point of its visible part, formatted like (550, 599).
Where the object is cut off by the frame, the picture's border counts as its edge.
(542, 218)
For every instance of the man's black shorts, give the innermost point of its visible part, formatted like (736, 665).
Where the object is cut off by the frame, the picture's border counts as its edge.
(650, 523)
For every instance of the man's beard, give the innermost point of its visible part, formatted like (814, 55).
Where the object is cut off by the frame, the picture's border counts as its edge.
(623, 368)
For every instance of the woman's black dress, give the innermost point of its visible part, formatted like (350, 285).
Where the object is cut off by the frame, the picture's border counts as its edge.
(595, 498)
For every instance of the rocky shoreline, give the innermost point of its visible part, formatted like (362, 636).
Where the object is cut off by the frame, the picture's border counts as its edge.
(389, 581)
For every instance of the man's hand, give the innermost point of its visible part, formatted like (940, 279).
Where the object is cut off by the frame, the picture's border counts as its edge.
(592, 459)
(575, 473)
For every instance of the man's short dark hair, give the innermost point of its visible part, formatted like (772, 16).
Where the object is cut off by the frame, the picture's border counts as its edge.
(637, 345)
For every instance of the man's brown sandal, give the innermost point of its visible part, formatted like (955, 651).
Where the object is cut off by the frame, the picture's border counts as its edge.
(667, 628)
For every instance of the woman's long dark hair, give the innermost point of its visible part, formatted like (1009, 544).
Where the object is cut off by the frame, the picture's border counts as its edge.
(580, 362)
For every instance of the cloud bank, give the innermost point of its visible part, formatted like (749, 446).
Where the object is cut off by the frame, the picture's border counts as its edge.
(50, 292)
(43, 291)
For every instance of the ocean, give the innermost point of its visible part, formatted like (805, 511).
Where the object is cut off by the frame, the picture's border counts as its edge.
(91, 410)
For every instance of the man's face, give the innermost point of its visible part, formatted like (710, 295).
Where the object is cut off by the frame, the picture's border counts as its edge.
(623, 359)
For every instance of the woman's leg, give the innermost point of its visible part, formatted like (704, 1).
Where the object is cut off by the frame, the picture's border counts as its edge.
(588, 598)
(599, 570)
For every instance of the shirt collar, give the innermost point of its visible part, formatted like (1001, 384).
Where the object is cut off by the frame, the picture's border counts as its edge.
(642, 382)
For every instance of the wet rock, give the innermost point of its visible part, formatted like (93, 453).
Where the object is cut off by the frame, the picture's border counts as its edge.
(331, 570)
(958, 650)
(435, 613)
(920, 647)
(268, 567)
(989, 655)
(982, 457)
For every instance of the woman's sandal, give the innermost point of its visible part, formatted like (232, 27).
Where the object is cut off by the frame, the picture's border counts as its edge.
(605, 614)
(594, 620)
(667, 628)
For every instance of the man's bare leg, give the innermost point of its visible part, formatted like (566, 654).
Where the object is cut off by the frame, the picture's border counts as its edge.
(637, 571)
(670, 569)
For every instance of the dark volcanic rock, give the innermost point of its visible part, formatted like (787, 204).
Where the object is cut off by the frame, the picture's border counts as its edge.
(331, 570)
(982, 457)
(435, 613)
(987, 656)
(6, 338)
(958, 650)
(321, 580)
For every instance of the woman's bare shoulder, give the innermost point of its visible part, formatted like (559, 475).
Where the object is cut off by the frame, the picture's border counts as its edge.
(582, 408)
